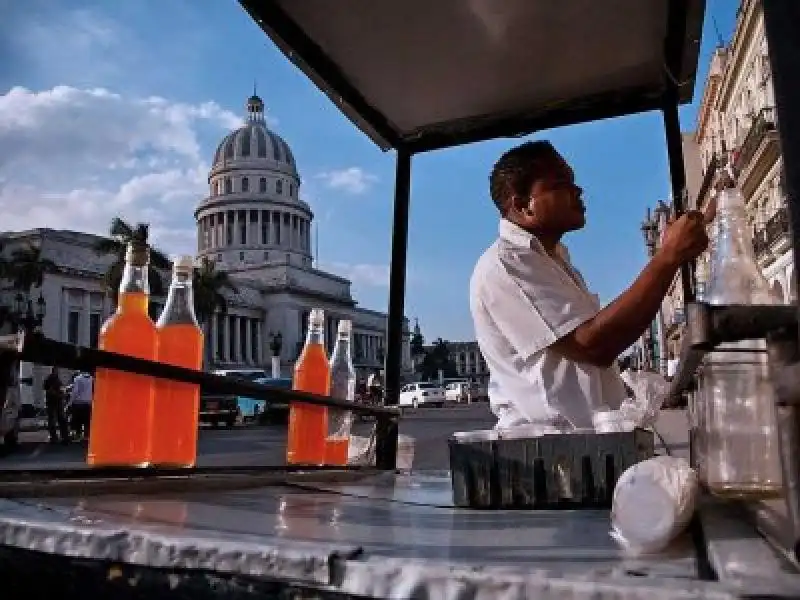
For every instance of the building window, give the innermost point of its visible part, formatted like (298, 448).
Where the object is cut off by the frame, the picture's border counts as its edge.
(291, 190)
(241, 256)
(266, 256)
(245, 184)
(219, 257)
(264, 232)
(262, 185)
(279, 186)
(73, 327)
(95, 322)
(228, 185)
(229, 227)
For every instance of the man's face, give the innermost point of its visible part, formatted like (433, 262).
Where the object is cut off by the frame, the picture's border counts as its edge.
(555, 201)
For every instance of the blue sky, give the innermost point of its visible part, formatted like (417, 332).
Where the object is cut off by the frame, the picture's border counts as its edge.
(116, 108)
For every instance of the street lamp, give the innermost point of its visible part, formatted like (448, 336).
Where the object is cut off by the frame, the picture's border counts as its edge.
(652, 227)
(27, 315)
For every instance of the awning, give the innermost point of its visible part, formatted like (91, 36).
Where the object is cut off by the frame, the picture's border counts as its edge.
(437, 73)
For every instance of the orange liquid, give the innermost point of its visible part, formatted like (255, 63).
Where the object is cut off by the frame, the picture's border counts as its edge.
(176, 405)
(122, 407)
(336, 451)
(308, 424)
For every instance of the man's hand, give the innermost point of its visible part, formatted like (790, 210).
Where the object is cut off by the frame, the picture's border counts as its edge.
(686, 238)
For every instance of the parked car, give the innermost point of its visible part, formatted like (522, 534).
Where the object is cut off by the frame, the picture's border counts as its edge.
(266, 411)
(460, 392)
(416, 394)
(216, 409)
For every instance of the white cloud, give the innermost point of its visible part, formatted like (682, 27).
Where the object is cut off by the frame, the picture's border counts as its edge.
(353, 180)
(361, 274)
(74, 158)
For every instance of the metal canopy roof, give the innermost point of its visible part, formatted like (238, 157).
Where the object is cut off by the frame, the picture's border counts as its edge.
(427, 74)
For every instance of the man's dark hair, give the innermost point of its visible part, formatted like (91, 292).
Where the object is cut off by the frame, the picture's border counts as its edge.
(517, 170)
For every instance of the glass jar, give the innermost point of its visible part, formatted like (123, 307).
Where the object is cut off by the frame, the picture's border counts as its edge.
(739, 431)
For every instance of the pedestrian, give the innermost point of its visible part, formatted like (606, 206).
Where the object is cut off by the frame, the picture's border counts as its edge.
(54, 402)
(81, 399)
(375, 387)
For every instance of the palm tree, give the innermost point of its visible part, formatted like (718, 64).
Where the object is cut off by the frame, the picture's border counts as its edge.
(209, 285)
(120, 234)
(27, 268)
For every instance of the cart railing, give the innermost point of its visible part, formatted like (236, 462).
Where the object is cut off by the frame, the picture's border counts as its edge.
(38, 349)
(709, 326)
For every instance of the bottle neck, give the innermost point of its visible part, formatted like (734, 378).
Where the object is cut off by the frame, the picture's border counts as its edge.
(179, 308)
(315, 335)
(341, 352)
(134, 289)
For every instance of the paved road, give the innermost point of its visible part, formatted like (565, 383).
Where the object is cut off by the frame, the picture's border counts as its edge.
(251, 445)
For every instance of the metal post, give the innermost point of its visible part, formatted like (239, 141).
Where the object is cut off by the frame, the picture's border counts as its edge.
(397, 277)
(672, 129)
(780, 24)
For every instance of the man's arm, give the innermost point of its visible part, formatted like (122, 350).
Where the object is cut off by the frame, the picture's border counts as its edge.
(601, 339)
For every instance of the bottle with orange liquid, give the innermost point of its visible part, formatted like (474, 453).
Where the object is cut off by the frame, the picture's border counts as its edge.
(308, 424)
(343, 387)
(176, 405)
(122, 407)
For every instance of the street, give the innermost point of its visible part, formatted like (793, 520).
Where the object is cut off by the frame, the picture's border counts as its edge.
(265, 445)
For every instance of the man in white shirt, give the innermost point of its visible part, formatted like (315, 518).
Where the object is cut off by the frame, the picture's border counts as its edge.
(81, 401)
(547, 342)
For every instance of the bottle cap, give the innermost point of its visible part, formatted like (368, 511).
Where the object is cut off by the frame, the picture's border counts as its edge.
(345, 327)
(317, 317)
(183, 262)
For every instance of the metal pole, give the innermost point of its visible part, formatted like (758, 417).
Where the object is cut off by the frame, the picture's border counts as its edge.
(672, 129)
(397, 277)
(780, 26)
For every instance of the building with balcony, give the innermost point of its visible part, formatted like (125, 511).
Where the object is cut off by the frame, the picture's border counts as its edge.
(736, 123)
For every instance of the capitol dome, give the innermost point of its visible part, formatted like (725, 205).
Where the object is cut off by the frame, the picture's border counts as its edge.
(253, 215)
(253, 141)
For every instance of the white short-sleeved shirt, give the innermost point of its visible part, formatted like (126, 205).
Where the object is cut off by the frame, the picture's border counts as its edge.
(522, 302)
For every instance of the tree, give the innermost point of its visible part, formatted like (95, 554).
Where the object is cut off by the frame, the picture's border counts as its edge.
(417, 344)
(209, 285)
(437, 358)
(27, 268)
(120, 234)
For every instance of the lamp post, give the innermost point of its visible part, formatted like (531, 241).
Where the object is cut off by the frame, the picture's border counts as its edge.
(26, 314)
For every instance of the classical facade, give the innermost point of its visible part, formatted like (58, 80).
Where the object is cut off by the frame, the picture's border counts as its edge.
(736, 123)
(256, 227)
(469, 361)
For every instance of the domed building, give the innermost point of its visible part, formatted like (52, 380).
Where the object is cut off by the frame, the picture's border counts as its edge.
(254, 225)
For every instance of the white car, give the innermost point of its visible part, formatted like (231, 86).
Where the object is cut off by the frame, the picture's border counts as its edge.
(416, 394)
(459, 392)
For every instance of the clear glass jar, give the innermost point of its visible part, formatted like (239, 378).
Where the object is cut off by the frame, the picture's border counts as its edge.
(739, 433)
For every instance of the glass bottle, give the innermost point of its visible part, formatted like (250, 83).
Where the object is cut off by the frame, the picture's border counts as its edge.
(740, 442)
(308, 423)
(122, 407)
(180, 342)
(343, 387)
